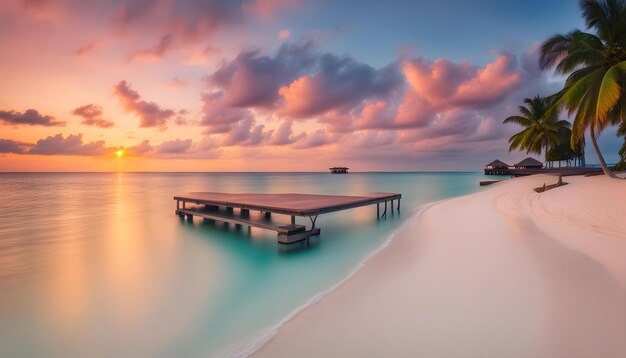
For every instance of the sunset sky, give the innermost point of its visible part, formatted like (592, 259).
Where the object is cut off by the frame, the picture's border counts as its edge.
(270, 85)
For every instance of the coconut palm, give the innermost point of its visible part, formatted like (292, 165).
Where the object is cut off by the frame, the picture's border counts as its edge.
(542, 130)
(595, 63)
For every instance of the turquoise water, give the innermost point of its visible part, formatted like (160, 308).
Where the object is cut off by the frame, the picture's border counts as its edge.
(98, 264)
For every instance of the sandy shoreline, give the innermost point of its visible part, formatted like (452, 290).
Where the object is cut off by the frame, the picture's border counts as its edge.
(504, 272)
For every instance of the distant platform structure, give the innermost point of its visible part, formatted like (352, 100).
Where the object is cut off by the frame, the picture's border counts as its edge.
(531, 166)
(528, 163)
(339, 170)
(220, 207)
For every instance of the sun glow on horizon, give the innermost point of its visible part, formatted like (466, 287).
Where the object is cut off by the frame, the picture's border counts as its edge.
(120, 153)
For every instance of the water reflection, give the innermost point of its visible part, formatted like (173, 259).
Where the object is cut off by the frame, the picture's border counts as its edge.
(93, 263)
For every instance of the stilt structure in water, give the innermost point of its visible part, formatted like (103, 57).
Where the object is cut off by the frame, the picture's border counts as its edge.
(339, 170)
(220, 207)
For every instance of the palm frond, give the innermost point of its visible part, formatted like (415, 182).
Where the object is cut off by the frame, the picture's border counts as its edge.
(610, 91)
(522, 121)
(595, 15)
(572, 96)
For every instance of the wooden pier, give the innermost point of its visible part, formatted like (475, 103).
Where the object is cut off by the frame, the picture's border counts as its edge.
(564, 171)
(220, 207)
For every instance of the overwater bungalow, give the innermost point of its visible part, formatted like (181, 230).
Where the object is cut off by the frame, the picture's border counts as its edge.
(528, 163)
(497, 167)
(339, 170)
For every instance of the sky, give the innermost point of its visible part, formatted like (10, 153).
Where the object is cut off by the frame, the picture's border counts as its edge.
(270, 85)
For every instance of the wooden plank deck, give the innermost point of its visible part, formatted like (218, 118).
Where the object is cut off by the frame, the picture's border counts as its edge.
(563, 171)
(306, 205)
(288, 204)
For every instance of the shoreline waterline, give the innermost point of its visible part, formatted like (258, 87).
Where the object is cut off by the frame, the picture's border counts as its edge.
(247, 349)
(513, 270)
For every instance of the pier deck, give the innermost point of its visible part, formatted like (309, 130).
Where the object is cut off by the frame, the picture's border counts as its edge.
(207, 205)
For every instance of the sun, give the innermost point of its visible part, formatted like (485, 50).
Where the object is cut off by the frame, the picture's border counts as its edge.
(120, 153)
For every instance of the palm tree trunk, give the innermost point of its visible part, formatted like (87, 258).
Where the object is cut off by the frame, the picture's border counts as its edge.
(605, 168)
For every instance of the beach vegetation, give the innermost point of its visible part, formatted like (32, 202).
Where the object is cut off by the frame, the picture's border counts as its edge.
(542, 131)
(595, 65)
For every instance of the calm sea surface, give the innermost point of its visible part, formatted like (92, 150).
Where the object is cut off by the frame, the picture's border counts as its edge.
(97, 264)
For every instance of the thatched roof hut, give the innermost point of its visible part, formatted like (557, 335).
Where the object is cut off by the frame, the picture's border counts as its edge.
(529, 163)
(497, 164)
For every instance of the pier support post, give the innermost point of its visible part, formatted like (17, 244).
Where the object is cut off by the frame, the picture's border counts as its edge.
(391, 207)
(377, 210)
(293, 220)
(268, 215)
(398, 205)
(245, 213)
(229, 209)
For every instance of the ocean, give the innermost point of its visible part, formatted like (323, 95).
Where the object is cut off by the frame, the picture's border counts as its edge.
(98, 264)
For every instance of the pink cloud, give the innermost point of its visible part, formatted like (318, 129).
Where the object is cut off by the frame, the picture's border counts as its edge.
(85, 50)
(435, 81)
(341, 84)
(375, 114)
(149, 113)
(140, 149)
(444, 83)
(92, 116)
(313, 140)
(436, 87)
(174, 146)
(155, 52)
(490, 84)
(266, 8)
(284, 34)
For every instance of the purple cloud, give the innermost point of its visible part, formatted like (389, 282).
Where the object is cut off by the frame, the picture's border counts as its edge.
(12, 146)
(253, 80)
(149, 113)
(284, 135)
(216, 114)
(92, 116)
(30, 117)
(341, 83)
(140, 149)
(313, 140)
(174, 146)
(70, 145)
(177, 148)
(154, 52)
(85, 50)
(245, 132)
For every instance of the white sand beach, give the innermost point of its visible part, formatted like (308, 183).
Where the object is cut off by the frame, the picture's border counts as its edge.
(506, 272)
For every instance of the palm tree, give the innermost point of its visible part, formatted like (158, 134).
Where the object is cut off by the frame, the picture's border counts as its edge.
(542, 130)
(563, 151)
(596, 67)
(621, 131)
